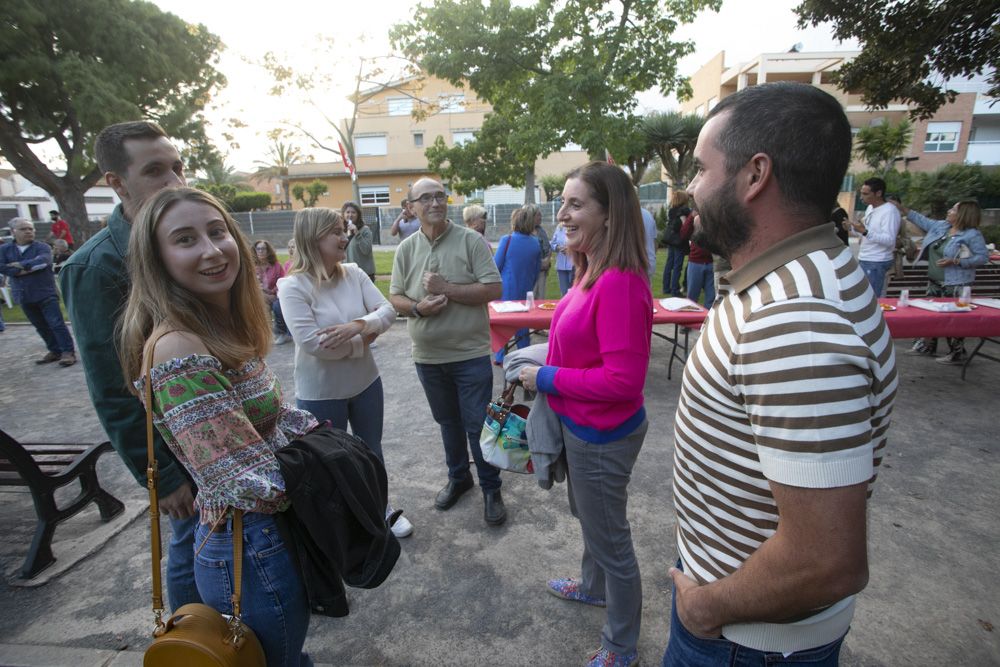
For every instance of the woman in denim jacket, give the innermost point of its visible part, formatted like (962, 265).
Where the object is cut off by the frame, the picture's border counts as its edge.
(953, 248)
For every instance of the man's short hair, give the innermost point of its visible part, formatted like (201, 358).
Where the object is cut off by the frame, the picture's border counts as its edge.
(14, 222)
(109, 147)
(876, 185)
(53, 212)
(801, 128)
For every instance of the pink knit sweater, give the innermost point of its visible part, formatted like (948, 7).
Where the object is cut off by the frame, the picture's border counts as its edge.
(599, 352)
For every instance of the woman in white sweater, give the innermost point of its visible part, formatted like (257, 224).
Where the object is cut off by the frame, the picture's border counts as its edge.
(334, 312)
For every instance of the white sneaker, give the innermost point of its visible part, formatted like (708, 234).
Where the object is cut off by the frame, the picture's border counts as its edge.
(402, 527)
(281, 339)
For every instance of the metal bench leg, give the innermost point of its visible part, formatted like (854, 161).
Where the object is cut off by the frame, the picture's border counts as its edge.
(40, 553)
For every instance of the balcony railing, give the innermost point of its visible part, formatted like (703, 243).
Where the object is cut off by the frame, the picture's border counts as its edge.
(983, 152)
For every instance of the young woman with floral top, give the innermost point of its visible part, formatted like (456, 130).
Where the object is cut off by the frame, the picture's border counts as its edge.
(195, 314)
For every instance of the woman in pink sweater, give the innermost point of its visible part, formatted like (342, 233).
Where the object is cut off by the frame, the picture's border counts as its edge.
(593, 379)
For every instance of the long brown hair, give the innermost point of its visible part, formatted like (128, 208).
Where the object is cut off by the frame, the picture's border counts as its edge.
(622, 245)
(270, 256)
(233, 336)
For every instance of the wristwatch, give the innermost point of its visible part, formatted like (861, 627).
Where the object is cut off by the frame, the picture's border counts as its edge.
(414, 312)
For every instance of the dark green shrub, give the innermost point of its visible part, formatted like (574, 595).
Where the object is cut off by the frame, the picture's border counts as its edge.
(251, 201)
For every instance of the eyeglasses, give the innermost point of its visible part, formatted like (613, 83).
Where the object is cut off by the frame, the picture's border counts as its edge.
(428, 197)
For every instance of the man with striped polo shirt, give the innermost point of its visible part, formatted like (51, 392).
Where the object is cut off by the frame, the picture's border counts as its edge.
(786, 397)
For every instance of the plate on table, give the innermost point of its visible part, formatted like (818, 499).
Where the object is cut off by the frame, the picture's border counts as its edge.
(546, 306)
(887, 307)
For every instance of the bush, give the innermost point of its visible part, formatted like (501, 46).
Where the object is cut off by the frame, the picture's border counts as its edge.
(992, 234)
(250, 201)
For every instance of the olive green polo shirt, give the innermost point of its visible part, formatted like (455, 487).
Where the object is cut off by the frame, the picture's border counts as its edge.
(459, 332)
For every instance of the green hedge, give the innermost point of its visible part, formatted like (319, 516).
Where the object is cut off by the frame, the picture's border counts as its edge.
(250, 201)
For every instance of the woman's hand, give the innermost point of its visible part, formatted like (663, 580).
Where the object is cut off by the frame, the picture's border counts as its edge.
(339, 334)
(528, 376)
(947, 261)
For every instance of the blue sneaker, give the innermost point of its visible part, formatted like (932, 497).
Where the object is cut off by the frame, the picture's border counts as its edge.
(605, 658)
(569, 589)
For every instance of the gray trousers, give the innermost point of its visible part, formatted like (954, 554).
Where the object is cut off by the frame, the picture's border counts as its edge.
(597, 482)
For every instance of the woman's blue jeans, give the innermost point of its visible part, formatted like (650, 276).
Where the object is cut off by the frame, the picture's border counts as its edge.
(672, 271)
(565, 280)
(279, 320)
(363, 412)
(274, 603)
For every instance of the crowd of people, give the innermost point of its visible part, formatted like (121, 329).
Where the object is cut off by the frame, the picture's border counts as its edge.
(771, 478)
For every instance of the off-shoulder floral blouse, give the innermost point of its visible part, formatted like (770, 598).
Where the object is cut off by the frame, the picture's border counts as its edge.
(224, 426)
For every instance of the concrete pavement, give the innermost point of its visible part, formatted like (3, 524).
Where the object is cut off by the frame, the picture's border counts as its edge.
(465, 593)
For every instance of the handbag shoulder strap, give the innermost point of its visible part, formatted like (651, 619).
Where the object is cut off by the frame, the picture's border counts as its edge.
(152, 476)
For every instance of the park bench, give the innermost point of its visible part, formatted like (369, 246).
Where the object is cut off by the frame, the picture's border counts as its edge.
(43, 468)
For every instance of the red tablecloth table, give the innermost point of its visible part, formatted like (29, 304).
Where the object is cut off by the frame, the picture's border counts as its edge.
(503, 326)
(910, 322)
(907, 322)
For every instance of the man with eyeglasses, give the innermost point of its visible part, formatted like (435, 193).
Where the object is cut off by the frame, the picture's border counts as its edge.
(442, 278)
(878, 234)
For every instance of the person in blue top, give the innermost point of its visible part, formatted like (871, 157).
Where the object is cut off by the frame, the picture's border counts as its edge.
(953, 248)
(28, 263)
(519, 259)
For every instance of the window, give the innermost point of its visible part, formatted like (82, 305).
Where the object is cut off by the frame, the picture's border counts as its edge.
(465, 136)
(700, 110)
(712, 102)
(376, 145)
(374, 195)
(942, 137)
(418, 139)
(452, 103)
(400, 106)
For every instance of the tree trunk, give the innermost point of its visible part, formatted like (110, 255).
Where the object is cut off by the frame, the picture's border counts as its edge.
(529, 184)
(73, 208)
(286, 186)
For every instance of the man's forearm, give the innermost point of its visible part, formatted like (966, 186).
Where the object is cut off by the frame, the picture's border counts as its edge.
(402, 303)
(775, 585)
(473, 294)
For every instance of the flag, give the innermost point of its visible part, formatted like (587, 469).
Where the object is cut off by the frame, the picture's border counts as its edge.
(348, 165)
(607, 154)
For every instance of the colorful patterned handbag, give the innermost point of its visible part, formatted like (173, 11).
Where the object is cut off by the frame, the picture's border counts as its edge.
(503, 441)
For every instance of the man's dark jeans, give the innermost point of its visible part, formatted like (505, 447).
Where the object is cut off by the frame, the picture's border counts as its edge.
(48, 321)
(458, 393)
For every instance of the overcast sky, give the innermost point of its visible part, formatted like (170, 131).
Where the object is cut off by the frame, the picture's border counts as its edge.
(291, 27)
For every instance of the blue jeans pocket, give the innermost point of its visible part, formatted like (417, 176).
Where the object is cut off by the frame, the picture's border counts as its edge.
(828, 654)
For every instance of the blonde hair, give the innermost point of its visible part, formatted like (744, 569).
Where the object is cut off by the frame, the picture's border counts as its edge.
(678, 198)
(233, 336)
(968, 214)
(620, 244)
(312, 224)
(472, 212)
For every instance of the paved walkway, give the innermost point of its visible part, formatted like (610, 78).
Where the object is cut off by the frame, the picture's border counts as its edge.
(464, 593)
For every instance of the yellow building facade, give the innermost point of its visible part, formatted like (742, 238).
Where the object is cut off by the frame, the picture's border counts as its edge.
(394, 126)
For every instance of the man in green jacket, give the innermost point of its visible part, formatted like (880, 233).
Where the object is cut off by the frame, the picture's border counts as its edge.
(137, 160)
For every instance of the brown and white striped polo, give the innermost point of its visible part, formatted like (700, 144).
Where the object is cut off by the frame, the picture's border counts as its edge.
(792, 380)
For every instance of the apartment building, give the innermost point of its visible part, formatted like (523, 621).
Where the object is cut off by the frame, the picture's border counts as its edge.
(393, 129)
(964, 131)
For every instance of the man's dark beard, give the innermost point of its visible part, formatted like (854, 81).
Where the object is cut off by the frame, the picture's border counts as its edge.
(725, 224)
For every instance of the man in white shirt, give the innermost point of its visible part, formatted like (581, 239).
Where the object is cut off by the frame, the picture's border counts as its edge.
(878, 232)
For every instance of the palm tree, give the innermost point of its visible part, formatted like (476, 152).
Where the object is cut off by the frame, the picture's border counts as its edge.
(218, 172)
(673, 136)
(880, 145)
(280, 156)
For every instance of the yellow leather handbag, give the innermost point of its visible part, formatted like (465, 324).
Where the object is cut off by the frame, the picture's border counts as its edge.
(196, 635)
